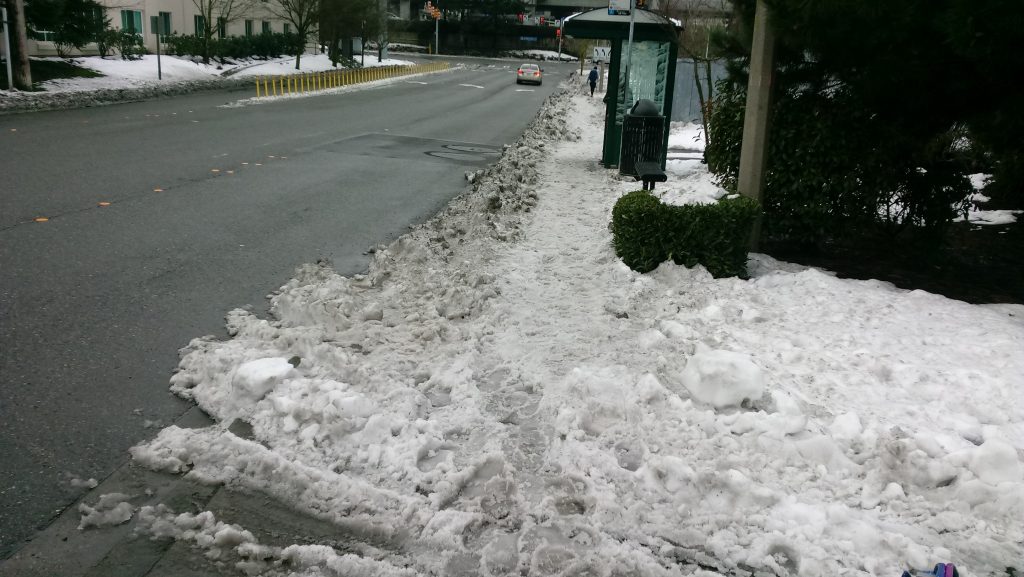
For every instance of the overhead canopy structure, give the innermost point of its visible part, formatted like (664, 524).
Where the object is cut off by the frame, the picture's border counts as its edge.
(652, 72)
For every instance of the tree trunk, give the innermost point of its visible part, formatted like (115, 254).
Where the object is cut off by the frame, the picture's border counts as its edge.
(700, 98)
(333, 50)
(20, 68)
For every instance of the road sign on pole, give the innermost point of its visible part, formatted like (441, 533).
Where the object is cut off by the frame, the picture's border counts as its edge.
(154, 27)
(619, 7)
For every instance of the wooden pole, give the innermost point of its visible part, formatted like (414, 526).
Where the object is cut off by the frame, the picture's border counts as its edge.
(22, 71)
(754, 149)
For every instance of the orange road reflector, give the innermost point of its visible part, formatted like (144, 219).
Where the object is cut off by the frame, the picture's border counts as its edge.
(41, 219)
(103, 203)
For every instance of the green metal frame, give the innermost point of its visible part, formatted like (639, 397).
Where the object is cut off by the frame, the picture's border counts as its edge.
(648, 26)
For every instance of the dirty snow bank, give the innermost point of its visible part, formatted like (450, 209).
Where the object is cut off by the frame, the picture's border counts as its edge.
(499, 395)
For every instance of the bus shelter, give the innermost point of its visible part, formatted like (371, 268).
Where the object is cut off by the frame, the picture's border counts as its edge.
(652, 71)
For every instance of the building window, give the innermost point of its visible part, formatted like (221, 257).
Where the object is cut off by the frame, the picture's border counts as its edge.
(248, 27)
(99, 17)
(287, 28)
(200, 24)
(266, 27)
(43, 35)
(131, 20)
(165, 23)
(222, 27)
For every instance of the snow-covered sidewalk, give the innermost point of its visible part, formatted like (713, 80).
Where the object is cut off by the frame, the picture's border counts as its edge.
(500, 395)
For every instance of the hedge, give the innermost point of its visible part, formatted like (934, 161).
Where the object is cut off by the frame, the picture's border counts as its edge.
(647, 232)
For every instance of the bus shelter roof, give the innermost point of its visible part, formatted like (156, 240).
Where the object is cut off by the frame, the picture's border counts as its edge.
(599, 24)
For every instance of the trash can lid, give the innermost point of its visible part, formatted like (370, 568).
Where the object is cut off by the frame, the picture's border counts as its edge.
(645, 107)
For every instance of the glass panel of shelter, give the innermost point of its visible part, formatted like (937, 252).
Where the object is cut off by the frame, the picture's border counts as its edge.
(647, 76)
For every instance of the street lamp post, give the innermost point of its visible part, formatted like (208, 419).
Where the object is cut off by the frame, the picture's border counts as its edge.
(434, 13)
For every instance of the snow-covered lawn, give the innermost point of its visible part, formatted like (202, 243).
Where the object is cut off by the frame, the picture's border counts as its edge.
(500, 395)
(119, 74)
(542, 55)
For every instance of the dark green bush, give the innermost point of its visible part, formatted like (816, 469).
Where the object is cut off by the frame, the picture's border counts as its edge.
(129, 44)
(638, 220)
(269, 45)
(186, 45)
(647, 232)
(835, 168)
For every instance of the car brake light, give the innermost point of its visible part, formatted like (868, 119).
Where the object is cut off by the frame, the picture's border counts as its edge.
(536, 73)
(520, 72)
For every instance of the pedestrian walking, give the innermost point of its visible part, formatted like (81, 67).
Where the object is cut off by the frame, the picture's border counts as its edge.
(592, 79)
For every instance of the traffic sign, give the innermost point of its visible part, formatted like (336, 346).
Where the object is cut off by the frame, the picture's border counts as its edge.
(619, 7)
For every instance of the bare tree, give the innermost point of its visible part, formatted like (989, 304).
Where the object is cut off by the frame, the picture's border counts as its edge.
(302, 14)
(345, 19)
(217, 14)
(702, 19)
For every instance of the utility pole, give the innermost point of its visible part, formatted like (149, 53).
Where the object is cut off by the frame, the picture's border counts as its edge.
(629, 53)
(7, 46)
(559, 32)
(382, 40)
(22, 77)
(754, 150)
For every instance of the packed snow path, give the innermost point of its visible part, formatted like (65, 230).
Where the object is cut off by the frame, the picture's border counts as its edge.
(500, 395)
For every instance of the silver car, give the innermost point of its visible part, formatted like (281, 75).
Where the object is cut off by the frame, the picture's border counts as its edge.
(529, 74)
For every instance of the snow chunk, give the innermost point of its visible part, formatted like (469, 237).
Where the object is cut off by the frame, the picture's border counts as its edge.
(995, 462)
(112, 509)
(254, 379)
(722, 378)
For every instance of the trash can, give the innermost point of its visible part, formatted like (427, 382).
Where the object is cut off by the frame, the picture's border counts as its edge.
(643, 137)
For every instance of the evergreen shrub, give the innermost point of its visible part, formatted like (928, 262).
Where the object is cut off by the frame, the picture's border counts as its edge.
(647, 232)
(264, 46)
(836, 169)
(637, 223)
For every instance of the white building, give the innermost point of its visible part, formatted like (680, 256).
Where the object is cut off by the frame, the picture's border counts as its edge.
(181, 17)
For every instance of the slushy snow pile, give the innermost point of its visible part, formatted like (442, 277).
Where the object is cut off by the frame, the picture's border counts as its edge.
(500, 395)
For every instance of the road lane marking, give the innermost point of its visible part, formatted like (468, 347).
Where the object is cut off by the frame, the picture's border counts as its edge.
(471, 86)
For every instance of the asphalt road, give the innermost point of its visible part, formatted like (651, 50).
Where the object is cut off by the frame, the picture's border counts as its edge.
(211, 208)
